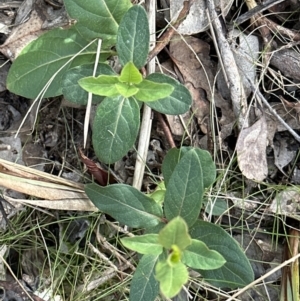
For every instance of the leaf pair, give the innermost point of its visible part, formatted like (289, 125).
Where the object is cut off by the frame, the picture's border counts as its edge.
(129, 83)
(172, 272)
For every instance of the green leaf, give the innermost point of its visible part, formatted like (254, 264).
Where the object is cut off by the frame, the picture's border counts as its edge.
(208, 167)
(174, 156)
(151, 91)
(144, 286)
(185, 189)
(70, 88)
(237, 271)
(175, 255)
(215, 207)
(144, 244)
(171, 160)
(43, 57)
(125, 204)
(130, 74)
(126, 90)
(158, 195)
(97, 18)
(104, 85)
(199, 256)
(115, 128)
(133, 37)
(171, 277)
(177, 103)
(175, 233)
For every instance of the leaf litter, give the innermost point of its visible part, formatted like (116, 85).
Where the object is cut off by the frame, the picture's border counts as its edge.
(226, 116)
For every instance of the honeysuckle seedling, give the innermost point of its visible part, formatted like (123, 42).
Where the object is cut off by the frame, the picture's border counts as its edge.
(118, 114)
(61, 62)
(176, 239)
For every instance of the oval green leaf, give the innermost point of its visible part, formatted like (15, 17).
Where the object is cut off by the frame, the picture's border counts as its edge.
(175, 233)
(104, 85)
(42, 58)
(171, 160)
(97, 18)
(133, 37)
(130, 74)
(171, 277)
(208, 167)
(174, 156)
(185, 189)
(177, 103)
(151, 91)
(237, 271)
(199, 256)
(115, 128)
(125, 204)
(70, 88)
(144, 286)
(143, 244)
(215, 206)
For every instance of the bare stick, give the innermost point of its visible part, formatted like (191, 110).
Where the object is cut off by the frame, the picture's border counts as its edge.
(90, 96)
(146, 124)
(166, 37)
(166, 130)
(239, 101)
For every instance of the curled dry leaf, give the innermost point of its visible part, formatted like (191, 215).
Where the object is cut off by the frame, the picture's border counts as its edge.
(101, 175)
(251, 151)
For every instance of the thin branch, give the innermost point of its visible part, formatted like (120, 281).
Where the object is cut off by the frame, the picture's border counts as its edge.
(166, 130)
(238, 97)
(166, 37)
(146, 124)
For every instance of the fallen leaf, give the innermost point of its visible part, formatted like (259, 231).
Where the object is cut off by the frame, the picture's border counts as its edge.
(251, 151)
(287, 202)
(196, 20)
(283, 152)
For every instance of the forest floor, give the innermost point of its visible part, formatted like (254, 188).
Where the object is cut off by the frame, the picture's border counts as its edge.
(66, 250)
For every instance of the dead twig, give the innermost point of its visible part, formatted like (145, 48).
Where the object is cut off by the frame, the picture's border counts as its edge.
(166, 37)
(166, 130)
(256, 10)
(234, 82)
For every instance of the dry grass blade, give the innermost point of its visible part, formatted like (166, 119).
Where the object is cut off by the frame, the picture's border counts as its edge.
(54, 192)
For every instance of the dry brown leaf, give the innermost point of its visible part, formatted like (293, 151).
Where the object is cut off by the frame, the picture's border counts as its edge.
(287, 202)
(251, 150)
(192, 57)
(283, 152)
(33, 19)
(22, 35)
(293, 105)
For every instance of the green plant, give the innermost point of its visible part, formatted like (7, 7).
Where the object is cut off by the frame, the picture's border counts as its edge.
(185, 240)
(67, 56)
